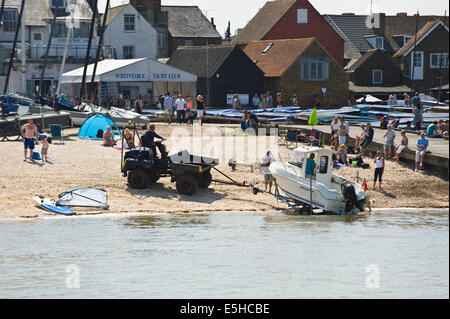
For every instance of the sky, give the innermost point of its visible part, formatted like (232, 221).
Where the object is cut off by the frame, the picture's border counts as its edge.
(240, 12)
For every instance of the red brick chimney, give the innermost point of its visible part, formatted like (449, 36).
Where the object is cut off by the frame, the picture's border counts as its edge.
(212, 22)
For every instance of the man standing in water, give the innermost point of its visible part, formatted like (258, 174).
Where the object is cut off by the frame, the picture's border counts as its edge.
(29, 131)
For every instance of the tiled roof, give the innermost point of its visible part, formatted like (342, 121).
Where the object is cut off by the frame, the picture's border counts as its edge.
(406, 25)
(362, 60)
(193, 59)
(189, 22)
(264, 21)
(114, 12)
(279, 57)
(421, 34)
(352, 29)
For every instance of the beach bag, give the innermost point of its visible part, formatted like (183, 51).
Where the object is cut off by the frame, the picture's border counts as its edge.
(100, 134)
(365, 166)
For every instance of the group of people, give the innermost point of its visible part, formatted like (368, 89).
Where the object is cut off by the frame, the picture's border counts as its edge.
(30, 136)
(186, 110)
(124, 102)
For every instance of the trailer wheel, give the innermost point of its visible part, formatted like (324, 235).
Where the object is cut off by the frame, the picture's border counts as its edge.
(205, 180)
(187, 185)
(138, 179)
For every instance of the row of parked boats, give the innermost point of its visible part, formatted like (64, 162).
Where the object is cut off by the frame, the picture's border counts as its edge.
(17, 105)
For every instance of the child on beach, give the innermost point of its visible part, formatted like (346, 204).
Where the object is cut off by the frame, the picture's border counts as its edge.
(44, 150)
(379, 169)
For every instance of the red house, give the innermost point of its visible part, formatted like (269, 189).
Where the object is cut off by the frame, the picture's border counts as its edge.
(292, 19)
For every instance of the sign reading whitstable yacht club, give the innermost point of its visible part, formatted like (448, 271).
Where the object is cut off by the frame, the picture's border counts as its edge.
(144, 77)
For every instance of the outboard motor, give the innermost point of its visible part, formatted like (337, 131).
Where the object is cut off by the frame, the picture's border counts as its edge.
(349, 193)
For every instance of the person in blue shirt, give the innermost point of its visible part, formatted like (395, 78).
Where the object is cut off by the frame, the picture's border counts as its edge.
(421, 150)
(310, 166)
(431, 130)
(367, 138)
(256, 101)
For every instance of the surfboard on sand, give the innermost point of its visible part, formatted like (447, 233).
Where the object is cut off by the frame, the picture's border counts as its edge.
(50, 206)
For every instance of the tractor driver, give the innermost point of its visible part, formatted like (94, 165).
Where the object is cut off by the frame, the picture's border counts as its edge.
(148, 140)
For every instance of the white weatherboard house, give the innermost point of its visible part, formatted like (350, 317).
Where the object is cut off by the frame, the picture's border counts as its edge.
(129, 34)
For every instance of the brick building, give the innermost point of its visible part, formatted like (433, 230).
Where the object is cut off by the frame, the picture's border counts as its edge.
(292, 19)
(301, 66)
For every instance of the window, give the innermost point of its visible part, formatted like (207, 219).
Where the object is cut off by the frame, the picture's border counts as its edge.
(61, 4)
(267, 48)
(10, 19)
(128, 52)
(437, 60)
(407, 38)
(377, 77)
(314, 69)
(323, 169)
(37, 36)
(188, 43)
(302, 16)
(379, 43)
(81, 32)
(129, 23)
(160, 40)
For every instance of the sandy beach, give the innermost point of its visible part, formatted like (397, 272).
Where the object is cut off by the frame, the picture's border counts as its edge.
(81, 163)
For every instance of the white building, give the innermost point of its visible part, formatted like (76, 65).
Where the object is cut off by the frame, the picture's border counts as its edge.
(129, 34)
(38, 16)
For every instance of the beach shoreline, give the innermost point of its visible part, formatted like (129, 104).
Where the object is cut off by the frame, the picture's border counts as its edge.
(82, 163)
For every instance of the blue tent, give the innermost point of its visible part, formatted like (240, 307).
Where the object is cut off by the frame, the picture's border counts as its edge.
(91, 127)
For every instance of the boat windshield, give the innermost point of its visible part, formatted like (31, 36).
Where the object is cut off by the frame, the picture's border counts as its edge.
(298, 163)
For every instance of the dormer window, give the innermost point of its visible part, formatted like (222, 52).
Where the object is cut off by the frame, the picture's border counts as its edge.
(267, 48)
(302, 16)
(61, 4)
(379, 43)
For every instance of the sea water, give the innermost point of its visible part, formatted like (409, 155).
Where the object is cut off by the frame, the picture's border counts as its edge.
(226, 255)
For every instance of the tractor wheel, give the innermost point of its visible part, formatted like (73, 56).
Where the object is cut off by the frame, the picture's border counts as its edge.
(205, 180)
(187, 185)
(154, 178)
(138, 179)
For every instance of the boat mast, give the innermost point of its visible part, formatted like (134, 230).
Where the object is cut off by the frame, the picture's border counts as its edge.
(63, 62)
(99, 48)
(50, 38)
(14, 48)
(441, 60)
(86, 61)
(414, 56)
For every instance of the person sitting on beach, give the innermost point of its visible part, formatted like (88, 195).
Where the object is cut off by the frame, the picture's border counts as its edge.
(44, 149)
(403, 145)
(379, 169)
(389, 144)
(268, 178)
(444, 128)
(432, 130)
(342, 155)
(251, 120)
(108, 137)
(422, 145)
(368, 137)
(358, 139)
(129, 138)
(310, 166)
(28, 132)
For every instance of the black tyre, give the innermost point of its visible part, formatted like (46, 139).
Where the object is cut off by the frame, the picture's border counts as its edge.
(154, 178)
(205, 180)
(138, 179)
(187, 185)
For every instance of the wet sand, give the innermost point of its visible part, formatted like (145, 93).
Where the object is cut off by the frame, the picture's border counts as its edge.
(81, 163)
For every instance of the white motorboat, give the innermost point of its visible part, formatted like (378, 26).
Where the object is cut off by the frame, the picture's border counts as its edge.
(324, 190)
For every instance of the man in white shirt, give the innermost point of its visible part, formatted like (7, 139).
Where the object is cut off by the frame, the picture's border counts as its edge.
(268, 178)
(168, 106)
(180, 105)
